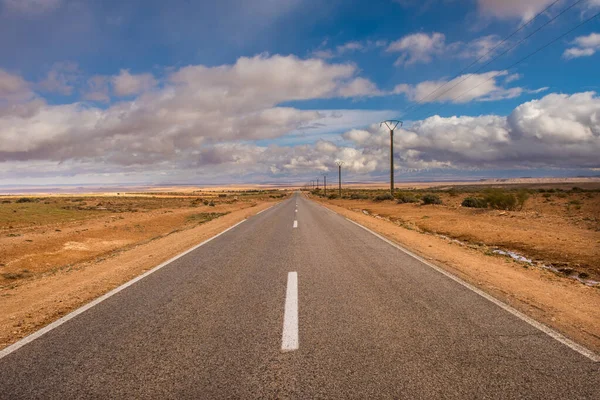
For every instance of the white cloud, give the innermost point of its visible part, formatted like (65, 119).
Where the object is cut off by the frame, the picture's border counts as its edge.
(557, 131)
(60, 78)
(512, 8)
(126, 84)
(97, 89)
(197, 105)
(13, 88)
(417, 47)
(348, 47)
(461, 89)
(523, 9)
(583, 46)
(423, 48)
(209, 121)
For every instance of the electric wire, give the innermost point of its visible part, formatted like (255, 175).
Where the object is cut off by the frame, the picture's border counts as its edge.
(421, 105)
(418, 101)
(556, 39)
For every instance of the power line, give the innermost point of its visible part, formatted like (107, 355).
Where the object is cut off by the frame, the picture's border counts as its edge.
(418, 101)
(524, 58)
(421, 105)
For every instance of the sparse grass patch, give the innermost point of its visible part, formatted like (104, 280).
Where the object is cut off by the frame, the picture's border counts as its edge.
(384, 196)
(404, 198)
(201, 218)
(429, 199)
(474, 202)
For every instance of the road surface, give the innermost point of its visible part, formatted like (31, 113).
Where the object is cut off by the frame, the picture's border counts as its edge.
(297, 302)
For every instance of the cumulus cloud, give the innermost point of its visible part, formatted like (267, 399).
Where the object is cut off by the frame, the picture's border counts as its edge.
(97, 89)
(424, 47)
(213, 121)
(198, 105)
(558, 130)
(127, 84)
(417, 47)
(461, 89)
(61, 78)
(13, 88)
(583, 46)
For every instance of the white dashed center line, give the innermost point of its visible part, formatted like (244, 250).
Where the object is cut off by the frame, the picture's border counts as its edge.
(289, 338)
(295, 224)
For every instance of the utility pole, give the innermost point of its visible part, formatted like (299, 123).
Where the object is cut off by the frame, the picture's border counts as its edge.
(325, 185)
(391, 125)
(317, 183)
(339, 164)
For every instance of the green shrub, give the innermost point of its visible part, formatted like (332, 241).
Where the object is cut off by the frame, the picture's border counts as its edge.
(332, 196)
(474, 202)
(382, 197)
(222, 195)
(453, 192)
(431, 199)
(25, 200)
(522, 196)
(211, 204)
(407, 198)
(501, 200)
(358, 196)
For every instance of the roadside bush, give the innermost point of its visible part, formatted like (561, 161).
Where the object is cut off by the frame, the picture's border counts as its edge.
(431, 199)
(474, 202)
(205, 202)
(453, 192)
(332, 196)
(358, 196)
(222, 195)
(382, 197)
(407, 198)
(211, 204)
(25, 200)
(522, 196)
(501, 200)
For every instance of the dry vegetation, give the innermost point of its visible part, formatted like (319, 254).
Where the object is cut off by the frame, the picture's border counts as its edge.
(555, 226)
(42, 235)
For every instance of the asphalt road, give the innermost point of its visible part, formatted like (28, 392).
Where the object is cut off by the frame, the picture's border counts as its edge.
(372, 322)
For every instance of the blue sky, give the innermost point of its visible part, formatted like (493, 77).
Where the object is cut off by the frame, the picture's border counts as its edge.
(278, 90)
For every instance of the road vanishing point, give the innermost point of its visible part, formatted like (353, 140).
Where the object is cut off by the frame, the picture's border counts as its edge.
(297, 302)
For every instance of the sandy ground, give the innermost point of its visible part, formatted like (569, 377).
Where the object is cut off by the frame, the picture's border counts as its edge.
(96, 256)
(565, 304)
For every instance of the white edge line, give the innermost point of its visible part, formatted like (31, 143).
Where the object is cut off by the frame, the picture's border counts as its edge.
(289, 336)
(547, 330)
(17, 345)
